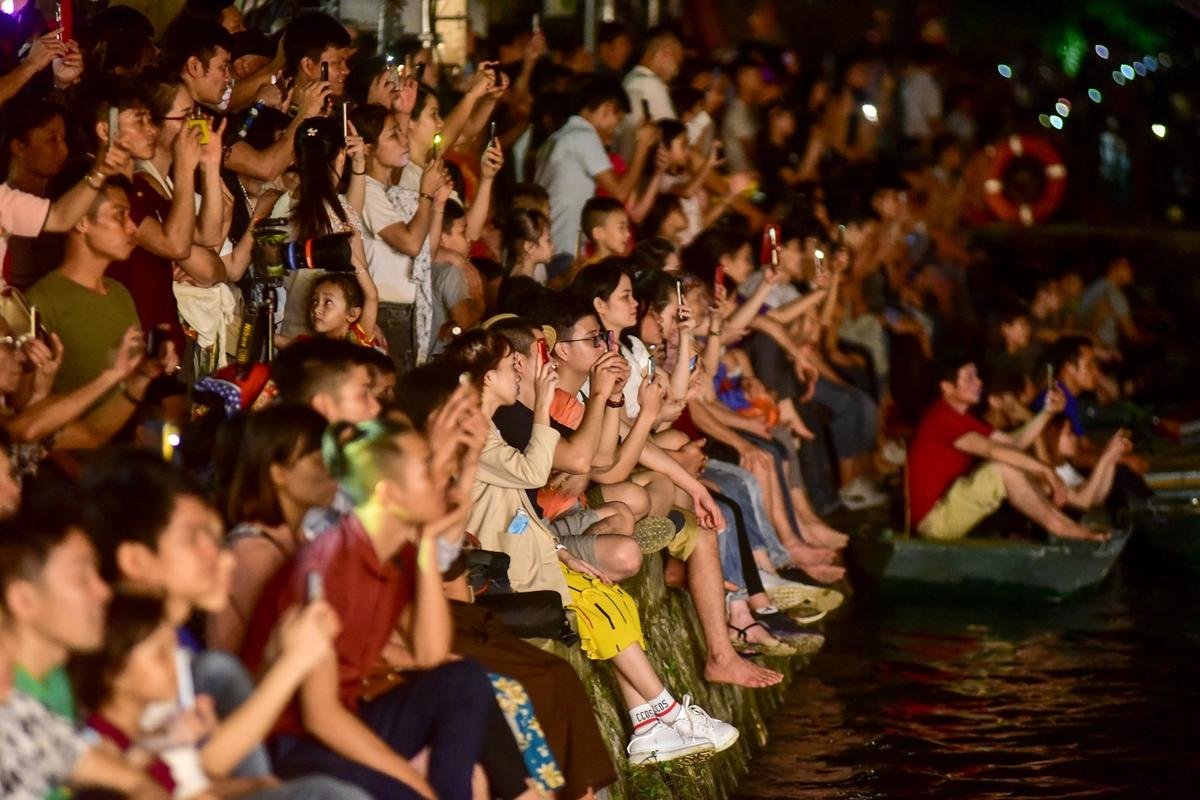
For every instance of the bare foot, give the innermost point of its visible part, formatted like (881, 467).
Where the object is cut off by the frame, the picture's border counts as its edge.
(817, 533)
(825, 574)
(806, 555)
(740, 672)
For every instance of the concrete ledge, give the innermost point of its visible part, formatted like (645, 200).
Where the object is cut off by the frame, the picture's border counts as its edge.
(676, 645)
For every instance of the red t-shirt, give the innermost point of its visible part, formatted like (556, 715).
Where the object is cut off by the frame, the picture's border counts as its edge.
(934, 463)
(369, 598)
(150, 278)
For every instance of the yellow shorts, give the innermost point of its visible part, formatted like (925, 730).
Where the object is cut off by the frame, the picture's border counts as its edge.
(605, 616)
(685, 541)
(970, 499)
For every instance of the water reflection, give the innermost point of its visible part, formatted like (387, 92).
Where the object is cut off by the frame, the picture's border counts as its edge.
(1093, 698)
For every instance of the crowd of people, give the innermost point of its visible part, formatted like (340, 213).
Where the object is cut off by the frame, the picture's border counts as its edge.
(330, 379)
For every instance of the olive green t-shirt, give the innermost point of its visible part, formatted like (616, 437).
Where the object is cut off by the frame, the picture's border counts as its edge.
(90, 324)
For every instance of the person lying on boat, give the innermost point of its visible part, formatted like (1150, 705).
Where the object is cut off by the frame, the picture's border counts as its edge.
(960, 469)
(1058, 446)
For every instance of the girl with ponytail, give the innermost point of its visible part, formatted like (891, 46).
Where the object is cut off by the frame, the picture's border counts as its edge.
(327, 163)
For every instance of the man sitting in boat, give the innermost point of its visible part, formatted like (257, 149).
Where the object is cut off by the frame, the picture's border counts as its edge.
(960, 469)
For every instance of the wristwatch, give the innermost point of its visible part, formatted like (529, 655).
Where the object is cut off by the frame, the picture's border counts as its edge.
(611, 404)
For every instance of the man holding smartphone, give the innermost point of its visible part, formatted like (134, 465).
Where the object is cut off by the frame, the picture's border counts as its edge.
(648, 85)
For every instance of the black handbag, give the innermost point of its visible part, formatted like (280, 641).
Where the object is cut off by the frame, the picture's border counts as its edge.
(531, 615)
(487, 572)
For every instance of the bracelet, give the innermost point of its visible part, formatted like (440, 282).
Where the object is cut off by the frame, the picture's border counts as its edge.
(425, 196)
(98, 177)
(711, 332)
(611, 404)
(353, 171)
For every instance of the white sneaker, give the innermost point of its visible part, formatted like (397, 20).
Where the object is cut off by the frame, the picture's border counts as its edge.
(694, 724)
(663, 743)
(860, 494)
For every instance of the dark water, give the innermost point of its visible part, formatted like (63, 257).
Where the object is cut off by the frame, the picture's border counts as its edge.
(1096, 697)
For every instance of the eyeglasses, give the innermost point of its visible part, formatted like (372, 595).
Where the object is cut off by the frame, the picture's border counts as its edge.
(601, 339)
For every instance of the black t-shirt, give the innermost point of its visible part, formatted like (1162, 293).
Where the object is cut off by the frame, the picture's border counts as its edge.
(515, 424)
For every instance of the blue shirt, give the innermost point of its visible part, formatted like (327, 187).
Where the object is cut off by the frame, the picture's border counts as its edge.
(1071, 410)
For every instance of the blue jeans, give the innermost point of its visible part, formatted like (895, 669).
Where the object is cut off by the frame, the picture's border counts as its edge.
(741, 487)
(855, 417)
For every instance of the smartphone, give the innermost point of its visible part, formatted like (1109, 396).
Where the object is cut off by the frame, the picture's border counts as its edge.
(491, 135)
(184, 688)
(646, 111)
(201, 124)
(679, 292)
(543, 351)
(436, 151)
(314, 586)
(608, 340)
(325, 71)
(33, 322)
(345, 121)
(420, 71)
(774, 245)
(1049, 378)
(155, 342)
(719, 277)
(650, 369)
(537, 23)
(114, 124)
(496, 74)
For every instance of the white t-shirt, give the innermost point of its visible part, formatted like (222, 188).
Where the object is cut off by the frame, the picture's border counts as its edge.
(741, 123)
(921, 103)
(567, 168)
(391, 269)
(642, 84)
(21, 214)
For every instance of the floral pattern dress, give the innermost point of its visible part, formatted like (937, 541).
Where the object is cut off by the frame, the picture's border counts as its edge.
(406, 202)
(518, 711)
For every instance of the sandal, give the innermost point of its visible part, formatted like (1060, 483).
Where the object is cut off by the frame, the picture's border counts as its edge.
(742, 642)
(653, 534)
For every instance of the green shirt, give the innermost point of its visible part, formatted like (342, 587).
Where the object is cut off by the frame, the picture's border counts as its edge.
(54, 692)
(90, 324)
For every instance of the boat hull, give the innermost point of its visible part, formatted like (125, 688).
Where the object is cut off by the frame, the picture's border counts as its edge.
(1168, 526)
(1005, 568)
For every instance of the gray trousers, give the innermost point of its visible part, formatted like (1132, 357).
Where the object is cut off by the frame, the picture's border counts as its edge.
(396, 320)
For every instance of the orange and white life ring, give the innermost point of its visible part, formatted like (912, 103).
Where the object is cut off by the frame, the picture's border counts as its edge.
(1026, 211)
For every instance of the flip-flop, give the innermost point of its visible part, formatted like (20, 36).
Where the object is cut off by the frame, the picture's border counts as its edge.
(742, 640)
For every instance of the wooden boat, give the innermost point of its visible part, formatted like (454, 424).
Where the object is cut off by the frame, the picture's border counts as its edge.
(1168, 524)
(988, 567)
